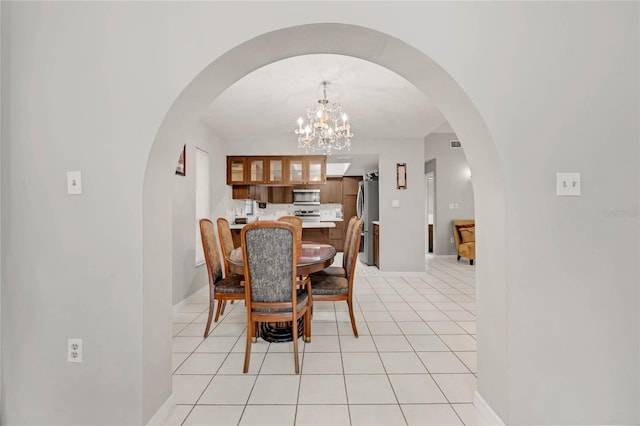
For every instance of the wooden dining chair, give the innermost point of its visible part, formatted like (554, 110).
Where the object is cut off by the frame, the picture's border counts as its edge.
(226, 243)
(220, 289)
(340, 271)
(270, 254)
(297, 223)
(335, 288)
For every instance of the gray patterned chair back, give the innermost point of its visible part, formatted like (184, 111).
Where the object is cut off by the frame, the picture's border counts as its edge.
(269, 258)
(210, 248)
(354, 246)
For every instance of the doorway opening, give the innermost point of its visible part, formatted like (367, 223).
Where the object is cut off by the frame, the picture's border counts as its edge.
(429, 210)
(450, 98)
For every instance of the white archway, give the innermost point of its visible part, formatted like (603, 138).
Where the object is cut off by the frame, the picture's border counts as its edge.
(370, 45)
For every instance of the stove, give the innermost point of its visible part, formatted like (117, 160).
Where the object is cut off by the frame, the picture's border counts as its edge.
(308, 215)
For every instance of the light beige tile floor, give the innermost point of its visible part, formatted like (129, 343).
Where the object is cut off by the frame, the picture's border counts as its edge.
(413, 364)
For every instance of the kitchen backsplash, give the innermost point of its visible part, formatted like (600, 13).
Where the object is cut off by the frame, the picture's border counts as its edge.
(240, 208)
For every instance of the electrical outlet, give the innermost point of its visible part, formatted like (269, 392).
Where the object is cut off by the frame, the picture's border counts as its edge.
(452, 240)
(74, 350)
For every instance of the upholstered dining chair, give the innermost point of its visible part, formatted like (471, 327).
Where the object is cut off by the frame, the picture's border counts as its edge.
(269, 253)
(297, 223)
(226, 243)
(335, 288)
(220, 289)
(340, 271)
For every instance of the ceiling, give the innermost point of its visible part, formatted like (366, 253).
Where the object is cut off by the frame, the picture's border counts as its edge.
(266, 103)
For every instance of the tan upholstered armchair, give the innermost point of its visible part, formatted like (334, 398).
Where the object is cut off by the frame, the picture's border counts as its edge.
(464, 232)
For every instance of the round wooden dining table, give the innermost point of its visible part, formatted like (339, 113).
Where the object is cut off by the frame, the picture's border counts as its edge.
(314, 257)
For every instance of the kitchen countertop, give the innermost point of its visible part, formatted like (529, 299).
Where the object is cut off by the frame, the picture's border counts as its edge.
(304, 225)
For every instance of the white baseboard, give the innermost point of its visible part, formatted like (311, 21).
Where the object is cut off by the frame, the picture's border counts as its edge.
(189, 299)
(444, 256)
(402, 274)
(487, 412)
(163, 412)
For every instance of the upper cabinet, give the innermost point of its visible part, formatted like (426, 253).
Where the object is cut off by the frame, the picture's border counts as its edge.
(295, 171)
(316, 169)
(236, 170)
(257, 170)
(307, 169)
(277, 170)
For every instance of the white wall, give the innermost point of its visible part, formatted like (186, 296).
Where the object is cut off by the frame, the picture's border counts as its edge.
(90, 84)
(187, 276)
(452, 187)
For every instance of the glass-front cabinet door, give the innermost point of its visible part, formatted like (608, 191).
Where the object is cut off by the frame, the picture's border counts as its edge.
(295, 169)
(236, 168)
(275, 170)
(316, 169)
(256, 170)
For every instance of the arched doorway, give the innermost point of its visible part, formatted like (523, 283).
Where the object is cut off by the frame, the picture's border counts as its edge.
(386, 51)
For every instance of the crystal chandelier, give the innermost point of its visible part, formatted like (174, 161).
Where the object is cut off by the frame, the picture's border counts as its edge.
(328, 127)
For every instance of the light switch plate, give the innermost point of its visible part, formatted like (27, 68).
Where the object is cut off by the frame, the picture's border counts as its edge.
(568, 184)
(74, 183)
(395, 203)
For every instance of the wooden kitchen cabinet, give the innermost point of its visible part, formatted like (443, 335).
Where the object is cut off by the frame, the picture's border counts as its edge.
(331, 192)
(259, 193)
(336, 236)
(275, 170)
(307, 169)
(281, 194)
(250, 192)
(236, 170)
(316, 168)
(350, 185)
(240, 192)
(349, 196)
(318, 235)
(295, 171)
(376, 245)
(235, 236)
(256, 167)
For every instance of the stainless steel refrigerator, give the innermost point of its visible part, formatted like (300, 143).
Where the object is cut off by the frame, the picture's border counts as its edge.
(367, 210)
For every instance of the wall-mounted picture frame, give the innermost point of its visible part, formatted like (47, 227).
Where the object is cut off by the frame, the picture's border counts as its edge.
(401, 175)
(181, 169)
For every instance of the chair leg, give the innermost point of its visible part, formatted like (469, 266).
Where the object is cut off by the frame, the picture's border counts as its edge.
(247, 349)
(458, 258)
(307, 323)
(220, 305)
(353, 318)
(224, 305)
(294, 332)
(256, 327)
(470, 261)
(206, 329)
